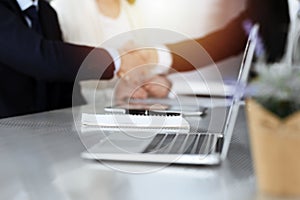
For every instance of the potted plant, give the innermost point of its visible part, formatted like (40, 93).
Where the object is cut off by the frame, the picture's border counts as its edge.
(274, 128)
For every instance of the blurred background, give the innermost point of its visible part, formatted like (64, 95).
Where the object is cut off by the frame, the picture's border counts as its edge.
(193, 17)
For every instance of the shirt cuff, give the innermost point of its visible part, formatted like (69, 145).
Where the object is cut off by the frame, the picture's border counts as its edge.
(116, 58)
(164, 60)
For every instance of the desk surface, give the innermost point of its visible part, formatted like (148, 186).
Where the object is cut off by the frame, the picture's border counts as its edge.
(40, 159)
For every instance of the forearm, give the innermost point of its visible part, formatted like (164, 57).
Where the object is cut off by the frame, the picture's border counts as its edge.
(25, 51)
(216, 46)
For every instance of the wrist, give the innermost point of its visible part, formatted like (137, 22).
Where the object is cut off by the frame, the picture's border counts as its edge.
(115, 54)
(164, 60)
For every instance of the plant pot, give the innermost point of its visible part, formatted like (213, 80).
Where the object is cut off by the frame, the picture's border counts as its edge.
(275, 146)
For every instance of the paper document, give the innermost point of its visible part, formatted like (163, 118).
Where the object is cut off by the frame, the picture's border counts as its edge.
(135, 122)
(201, 88)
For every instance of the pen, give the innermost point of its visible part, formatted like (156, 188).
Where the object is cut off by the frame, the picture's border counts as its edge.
(151, 112)
(156, 112)
(141, 112)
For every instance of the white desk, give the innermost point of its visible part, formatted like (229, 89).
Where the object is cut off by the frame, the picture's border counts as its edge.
(40, 160)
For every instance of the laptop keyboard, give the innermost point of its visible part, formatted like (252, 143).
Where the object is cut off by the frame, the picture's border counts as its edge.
(191, 143)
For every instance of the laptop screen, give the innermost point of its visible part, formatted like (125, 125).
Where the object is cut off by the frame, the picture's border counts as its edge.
(240, 88)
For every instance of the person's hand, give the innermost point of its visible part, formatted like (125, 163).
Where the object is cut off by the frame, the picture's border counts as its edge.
(137, 63)
(149, 54)
(137, 75)
(125, 89)
(132, 64)
(158, 86)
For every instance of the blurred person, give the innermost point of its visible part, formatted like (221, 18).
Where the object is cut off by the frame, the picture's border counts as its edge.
(38, 70)
(273, 19)
(93, 22)
(230, 40)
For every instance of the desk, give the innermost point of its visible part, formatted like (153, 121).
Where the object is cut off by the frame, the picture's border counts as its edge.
(40, 160)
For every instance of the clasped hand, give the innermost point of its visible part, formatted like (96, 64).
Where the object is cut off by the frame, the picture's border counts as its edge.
(137, 77)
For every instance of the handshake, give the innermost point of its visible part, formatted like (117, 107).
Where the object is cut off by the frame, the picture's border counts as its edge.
(141, 74)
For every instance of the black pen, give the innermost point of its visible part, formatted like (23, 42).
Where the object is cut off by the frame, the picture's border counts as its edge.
(151, 112)
(141, 111)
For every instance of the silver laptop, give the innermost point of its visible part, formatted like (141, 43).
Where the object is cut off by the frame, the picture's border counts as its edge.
(180, 148)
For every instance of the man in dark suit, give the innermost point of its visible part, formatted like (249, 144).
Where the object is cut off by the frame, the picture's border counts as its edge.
(38, 70)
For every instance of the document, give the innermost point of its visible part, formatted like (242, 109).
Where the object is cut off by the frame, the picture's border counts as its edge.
(211, 88)
(135, 122)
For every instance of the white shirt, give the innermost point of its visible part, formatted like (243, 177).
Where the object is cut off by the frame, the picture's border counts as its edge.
(293, 9)
(114, 26)
(24, 4)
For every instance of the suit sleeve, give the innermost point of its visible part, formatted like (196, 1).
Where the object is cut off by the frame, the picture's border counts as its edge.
(214, 47)
(27, 52)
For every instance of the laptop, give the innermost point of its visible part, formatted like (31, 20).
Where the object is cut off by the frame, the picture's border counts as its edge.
(177, 148)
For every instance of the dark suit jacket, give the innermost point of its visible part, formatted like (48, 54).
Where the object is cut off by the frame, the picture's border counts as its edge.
(273, 18)
(29, 60)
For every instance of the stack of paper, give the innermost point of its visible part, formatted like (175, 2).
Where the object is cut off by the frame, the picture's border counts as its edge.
(211, 88)
(135, 122)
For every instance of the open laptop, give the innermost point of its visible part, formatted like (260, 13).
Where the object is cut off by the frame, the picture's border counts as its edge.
(180, 148)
